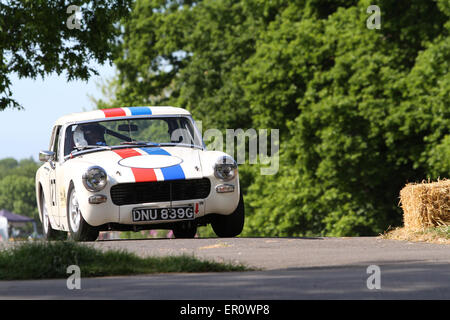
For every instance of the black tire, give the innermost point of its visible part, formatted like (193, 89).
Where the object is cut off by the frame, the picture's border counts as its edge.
(185, 230)
(84, 232)
(230, 225)
(47, 230)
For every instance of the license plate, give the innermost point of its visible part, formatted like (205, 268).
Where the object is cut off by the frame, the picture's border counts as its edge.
(163, 214)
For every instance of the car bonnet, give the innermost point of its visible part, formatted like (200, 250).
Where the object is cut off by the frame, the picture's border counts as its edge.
(148, 163)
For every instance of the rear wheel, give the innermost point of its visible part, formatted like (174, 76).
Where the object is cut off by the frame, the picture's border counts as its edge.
(230, 225)
(79, 229)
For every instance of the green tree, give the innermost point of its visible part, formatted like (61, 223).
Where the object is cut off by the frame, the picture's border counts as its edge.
(371, 114)
(188, 53)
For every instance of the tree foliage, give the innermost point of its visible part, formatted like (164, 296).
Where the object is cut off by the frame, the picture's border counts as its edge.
(361, 111)
(17, 188)
(35, 39)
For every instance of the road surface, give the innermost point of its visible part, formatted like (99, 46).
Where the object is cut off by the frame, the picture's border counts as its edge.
(288, 269)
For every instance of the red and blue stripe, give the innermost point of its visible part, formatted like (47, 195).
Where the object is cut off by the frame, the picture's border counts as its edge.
(123, 112)
(170, 173)
(174, 172)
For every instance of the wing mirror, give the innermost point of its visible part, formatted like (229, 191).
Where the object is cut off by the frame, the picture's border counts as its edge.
(45, 156)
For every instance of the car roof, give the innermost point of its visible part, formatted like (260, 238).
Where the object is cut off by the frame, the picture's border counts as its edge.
(102, 114)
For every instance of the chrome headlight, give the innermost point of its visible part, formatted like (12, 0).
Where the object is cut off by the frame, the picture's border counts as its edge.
(95, 178)
(225, 168)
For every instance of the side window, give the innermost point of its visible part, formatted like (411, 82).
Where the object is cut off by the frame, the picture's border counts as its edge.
(68, 140)
(54, 145)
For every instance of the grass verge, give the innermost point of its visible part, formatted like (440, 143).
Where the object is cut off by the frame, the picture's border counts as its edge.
(45, 260)
(432, 235)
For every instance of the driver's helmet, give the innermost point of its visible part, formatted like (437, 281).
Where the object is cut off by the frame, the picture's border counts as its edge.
(89, 134)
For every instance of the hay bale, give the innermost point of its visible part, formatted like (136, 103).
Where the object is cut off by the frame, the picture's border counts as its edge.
(425, 204)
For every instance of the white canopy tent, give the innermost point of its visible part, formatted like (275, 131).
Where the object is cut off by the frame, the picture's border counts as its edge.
(3, 229)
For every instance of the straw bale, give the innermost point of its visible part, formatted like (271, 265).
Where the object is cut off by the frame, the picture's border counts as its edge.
(426, 204)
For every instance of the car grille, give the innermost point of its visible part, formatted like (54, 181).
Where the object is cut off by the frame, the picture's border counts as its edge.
(161, 191)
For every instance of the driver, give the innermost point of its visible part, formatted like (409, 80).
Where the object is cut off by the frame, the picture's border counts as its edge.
(94, 134)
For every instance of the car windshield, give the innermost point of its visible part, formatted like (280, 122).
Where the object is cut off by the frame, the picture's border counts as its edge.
(109, 134)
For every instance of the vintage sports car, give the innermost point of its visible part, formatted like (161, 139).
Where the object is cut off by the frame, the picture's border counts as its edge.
(135, 168)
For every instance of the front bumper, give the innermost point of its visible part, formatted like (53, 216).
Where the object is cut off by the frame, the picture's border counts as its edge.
(214, 203)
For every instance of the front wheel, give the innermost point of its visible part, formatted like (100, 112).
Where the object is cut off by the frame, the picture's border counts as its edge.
(185, 230)
(79, 229)
(230, 225)
(47, 230)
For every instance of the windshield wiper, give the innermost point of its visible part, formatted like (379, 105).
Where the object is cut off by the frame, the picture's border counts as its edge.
(85, 149)
(177, 144)
(140, 143)
(92, 147)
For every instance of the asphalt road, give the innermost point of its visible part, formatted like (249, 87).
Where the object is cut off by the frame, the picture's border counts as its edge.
(290, 269)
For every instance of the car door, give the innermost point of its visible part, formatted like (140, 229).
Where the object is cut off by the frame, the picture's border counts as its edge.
(53, 182)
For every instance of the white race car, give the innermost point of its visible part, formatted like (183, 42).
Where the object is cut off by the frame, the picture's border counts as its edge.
(135, 168)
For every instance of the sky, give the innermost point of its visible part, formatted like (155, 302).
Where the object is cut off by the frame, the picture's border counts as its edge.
(23, 133)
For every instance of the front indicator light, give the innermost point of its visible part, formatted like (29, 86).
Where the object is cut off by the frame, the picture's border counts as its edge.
(97, 199)
(224, 188)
